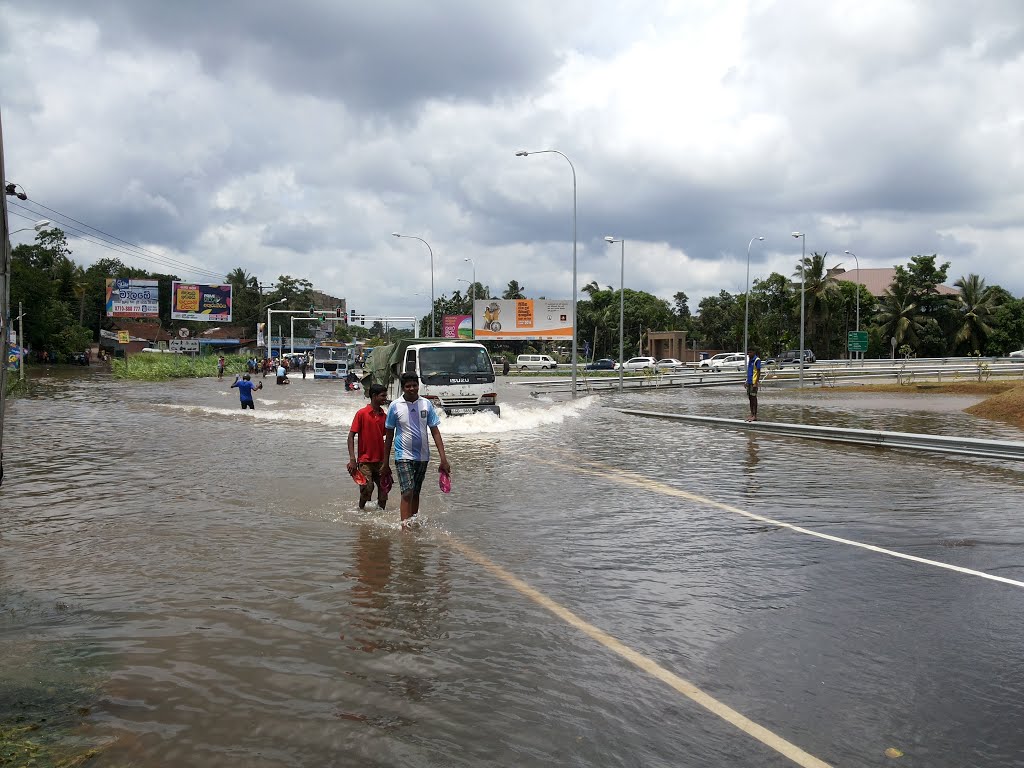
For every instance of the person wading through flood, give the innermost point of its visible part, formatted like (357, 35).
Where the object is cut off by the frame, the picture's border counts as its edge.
(408, 421)
(245, 390)
(753, 380)
(368, 427)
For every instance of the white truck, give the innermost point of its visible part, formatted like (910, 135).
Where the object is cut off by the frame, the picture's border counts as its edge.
(454, 375)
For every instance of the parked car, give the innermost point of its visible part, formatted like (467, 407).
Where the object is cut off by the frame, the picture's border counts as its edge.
(670, 364)
(792, 356)
(639, 363)
(734, 362)
(604, 364)
(1018, 356)
(705, 365)
(535, 362)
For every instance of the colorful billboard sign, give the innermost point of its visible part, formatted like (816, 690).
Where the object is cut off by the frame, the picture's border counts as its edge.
(132, 298)
(201, 301)
(523, 319)
(457, 326)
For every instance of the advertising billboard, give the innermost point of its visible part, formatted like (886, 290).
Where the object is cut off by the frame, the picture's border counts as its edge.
(201, 301)
(457, 326)
(523, 319)
(132, 298)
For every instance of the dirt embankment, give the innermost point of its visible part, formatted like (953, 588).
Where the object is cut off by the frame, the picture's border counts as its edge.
(1006, 401)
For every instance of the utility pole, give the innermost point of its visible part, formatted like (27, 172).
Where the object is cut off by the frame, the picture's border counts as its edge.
(5, 297)
(21, 345)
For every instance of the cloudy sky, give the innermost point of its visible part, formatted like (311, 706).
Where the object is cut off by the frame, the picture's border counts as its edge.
(296, 137)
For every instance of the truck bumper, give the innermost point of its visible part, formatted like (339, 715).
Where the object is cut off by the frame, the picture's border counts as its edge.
(464, 410)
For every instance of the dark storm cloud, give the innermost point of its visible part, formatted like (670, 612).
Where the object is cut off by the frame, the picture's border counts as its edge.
(383, 56)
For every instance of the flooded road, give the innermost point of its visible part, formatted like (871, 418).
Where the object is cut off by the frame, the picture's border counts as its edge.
(207, 572)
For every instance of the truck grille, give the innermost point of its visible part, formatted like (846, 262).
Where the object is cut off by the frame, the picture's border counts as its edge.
(458, 401)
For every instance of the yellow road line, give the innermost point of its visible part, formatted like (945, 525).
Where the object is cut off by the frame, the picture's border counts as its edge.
(638, 481)
(688, 689)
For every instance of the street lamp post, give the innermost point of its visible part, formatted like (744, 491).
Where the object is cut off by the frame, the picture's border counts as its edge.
(414, 237)
(746, 308)
(472, 300)
(851, 253)
(269, 332)
(524, 153)
(803, 257)
(39, 226)
(622, 297)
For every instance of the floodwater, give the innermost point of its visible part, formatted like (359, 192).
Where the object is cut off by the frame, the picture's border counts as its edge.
(206, 572)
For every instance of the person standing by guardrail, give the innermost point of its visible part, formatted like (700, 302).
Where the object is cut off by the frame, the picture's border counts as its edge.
(752, 381)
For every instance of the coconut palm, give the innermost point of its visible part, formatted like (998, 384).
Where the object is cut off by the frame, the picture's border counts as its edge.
(977, 302)
(900, 316)
(820, 293)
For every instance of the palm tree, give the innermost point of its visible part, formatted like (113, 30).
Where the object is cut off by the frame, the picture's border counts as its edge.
(900, 316)
(976, 303)
(820, 291)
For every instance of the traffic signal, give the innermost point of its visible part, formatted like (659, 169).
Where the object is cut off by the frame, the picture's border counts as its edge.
(312, 309)
(339, 312)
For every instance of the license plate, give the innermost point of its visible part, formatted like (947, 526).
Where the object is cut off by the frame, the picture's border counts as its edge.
(459, 411)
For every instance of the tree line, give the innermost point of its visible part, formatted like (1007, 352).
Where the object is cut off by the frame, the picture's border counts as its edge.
(64, 306)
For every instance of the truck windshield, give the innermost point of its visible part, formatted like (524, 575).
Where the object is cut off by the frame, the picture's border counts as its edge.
(454, 361)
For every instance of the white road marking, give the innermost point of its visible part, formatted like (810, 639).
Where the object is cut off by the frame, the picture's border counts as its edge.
(688, 689)
(599, 470)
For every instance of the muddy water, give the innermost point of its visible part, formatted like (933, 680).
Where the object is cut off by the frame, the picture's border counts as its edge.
(206, 571)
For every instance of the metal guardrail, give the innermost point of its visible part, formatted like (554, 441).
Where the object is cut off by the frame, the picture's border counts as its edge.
(966, 446)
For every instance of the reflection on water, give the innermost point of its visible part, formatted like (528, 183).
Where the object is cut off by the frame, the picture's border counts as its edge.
(208, 568)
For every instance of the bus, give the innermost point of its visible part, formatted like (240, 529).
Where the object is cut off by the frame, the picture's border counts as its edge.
(332, 359)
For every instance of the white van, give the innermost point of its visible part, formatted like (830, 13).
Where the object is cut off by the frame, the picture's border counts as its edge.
(535, 362)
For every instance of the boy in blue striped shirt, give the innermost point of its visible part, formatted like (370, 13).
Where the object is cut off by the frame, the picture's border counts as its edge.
(409, 420)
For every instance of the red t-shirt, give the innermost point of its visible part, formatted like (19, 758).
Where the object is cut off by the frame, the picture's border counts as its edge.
(368, 424)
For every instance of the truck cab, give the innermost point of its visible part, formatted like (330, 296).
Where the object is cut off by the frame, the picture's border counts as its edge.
(456, 376)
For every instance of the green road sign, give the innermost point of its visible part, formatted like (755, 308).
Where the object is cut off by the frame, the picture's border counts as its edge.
(857, 341)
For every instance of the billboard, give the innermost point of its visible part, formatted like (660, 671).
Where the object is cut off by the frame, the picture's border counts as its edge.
(132, 298)
(523, 319)
(457, 326)
(201, 301)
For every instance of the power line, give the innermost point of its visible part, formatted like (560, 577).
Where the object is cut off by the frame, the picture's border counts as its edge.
(137, 252)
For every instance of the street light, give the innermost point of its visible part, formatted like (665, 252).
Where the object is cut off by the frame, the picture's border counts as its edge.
(746, 309)
(622, 300)
(524, 153)
(414, 237)
(39, 226)
(851, 253)
(472, 300)
(803, 256)
(272, 304)
(423, 295)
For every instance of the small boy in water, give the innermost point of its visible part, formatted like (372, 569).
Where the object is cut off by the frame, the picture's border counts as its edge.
(368, 426)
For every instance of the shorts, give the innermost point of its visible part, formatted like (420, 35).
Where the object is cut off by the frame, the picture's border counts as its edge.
(248, 404)
(751, 391)
(371, 471)
(410, 475)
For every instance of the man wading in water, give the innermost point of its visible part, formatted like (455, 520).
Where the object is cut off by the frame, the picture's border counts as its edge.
(753, 379)
(411, 416)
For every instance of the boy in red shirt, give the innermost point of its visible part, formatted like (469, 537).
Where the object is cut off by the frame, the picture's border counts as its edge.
(368, 424)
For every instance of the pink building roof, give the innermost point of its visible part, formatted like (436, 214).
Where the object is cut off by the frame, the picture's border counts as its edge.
(878, 279)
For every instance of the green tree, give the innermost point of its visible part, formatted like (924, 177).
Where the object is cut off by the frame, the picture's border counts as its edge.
(900, 317)
(514, 291)
(1007, 324)
(719, 322)
(976, 304)
(246, 303)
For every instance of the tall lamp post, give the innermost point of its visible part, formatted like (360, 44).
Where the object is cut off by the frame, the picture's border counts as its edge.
(524, 153)
(746, 308)
(803, 256)
(414, 237)
(622, 296)
(269, 334)
(472, 300)
(39, 226)
(851, 253)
